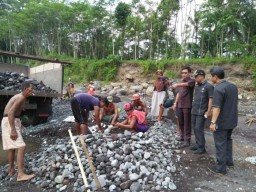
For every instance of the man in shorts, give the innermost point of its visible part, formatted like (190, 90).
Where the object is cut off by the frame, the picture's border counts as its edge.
(11, 131)
(82, 104)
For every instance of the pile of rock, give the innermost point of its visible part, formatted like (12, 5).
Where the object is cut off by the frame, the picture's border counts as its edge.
(123, 162)
(119, 89)
(12, 81)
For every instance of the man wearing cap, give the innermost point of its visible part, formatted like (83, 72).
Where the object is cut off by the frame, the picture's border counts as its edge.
(81, 105)
(201, 109)
(109, 111)
(139, 104)
(224, 119)
(136, 120)
(183, 101)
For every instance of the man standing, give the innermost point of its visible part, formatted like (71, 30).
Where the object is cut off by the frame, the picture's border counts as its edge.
(224, 119)
(71, 87)
(184, 100)
(11, 131)
(82, 104)
(201, 109)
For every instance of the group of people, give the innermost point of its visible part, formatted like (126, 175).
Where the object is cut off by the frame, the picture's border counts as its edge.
(106, 111)
(195, 100)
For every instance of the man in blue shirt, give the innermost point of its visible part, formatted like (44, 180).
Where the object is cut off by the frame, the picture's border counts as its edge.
(82, 104)
(224, 119)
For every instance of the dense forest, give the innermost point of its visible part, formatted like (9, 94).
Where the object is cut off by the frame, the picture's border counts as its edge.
(139, 30)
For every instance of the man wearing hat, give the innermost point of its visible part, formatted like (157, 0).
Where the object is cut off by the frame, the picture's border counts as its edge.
(139, 104)
(201, 109)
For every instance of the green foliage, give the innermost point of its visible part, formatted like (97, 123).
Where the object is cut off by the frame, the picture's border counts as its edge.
(122, 12)
(86, 70)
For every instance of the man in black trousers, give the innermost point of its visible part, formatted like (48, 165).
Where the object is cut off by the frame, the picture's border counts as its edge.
(201, 109)
(224, 119)
(183, 102)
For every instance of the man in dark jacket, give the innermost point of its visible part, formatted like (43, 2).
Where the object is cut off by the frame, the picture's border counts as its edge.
(201, 109)
(224, 119)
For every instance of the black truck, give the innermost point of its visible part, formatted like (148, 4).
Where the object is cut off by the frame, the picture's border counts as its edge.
(37, 108)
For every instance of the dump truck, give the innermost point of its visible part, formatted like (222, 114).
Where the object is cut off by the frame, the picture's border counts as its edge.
(38, 107)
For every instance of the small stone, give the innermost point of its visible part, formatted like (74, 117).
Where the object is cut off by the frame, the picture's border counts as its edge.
(102, 180)
(63, 188)
(127, 150)
(126, 184)
(114, 163)
(44, 184)
(158, 188)
(136, 187)
(112, 188)
(119, 174)
(172, 186)
(134, 177)
(59, 179)
(147, 155)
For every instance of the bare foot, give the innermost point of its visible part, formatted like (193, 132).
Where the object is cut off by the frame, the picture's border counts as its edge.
(102, 130)
(25, 177)
(11, 172)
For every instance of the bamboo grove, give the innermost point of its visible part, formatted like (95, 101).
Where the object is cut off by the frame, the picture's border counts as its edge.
(134, 30)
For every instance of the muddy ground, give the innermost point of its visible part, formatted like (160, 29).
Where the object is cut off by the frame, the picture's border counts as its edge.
(192, 173)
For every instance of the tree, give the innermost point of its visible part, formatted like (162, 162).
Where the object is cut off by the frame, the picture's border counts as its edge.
(122, 12)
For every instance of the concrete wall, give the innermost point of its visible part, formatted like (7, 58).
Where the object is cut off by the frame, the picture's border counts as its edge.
(50, 74)
(4, 67)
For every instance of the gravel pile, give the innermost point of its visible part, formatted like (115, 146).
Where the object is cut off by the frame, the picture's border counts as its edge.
(11, 81)
(123, 162)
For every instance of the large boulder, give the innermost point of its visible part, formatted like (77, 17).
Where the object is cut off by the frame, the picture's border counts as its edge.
(145, 85)
(98, 85)
(136, 88)
(116, 84)
(150, 90)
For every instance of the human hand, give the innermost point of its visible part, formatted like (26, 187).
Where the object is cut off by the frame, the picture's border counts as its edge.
(116, 125)
(173, 86)
(213, 127)
(13, 134)
(208, 114)
(174, 107)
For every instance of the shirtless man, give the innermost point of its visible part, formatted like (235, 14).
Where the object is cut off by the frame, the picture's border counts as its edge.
(139, 104)
(11, 131)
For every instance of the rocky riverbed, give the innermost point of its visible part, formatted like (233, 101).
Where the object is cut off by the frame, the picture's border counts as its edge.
(126, 161)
